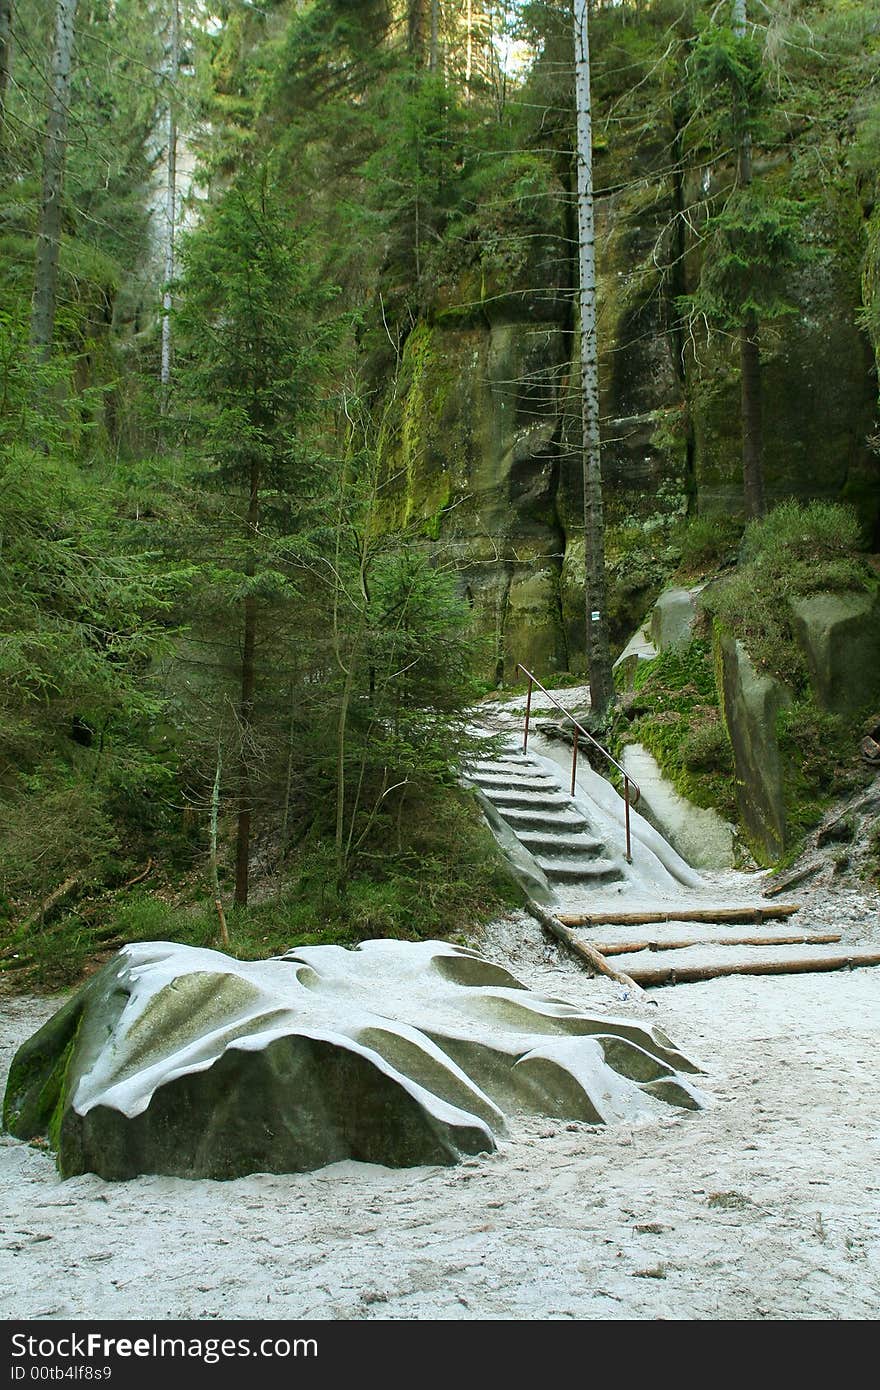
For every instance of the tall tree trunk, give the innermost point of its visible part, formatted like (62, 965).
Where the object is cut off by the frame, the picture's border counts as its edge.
(749, 352)
(416, 25)
(434, 59)
(215, 815)
(246, 706)
(49, 226)
(5, 61)
(598, 654)
(752, 422)
(170, 201)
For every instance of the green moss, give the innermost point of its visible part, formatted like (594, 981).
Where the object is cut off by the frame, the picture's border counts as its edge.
(35, 1090)
(793, 552)
(677, 718)
(817, 759)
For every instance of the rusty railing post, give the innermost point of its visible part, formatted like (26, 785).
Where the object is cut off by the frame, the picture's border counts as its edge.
(528, 712)
(629, 858)
(574, 758)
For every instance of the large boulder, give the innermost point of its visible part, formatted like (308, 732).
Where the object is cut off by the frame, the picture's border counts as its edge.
(840, 637)
(673, 618)
(184, 1061)
(751, 703)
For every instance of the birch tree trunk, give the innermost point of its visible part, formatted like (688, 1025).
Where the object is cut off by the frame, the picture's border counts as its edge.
(598, 654)
(246, 707)
(170, 202)
(49, 226)
(749, 351)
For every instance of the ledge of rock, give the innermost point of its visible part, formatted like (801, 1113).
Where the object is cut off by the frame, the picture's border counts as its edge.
(840, 637)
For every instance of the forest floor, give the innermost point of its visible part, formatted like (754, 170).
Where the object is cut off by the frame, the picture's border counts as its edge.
(764, 1205)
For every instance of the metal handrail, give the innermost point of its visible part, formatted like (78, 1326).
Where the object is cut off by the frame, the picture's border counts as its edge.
(578, 730)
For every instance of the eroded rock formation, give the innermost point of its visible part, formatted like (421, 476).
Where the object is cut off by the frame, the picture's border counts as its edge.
(183, 1061)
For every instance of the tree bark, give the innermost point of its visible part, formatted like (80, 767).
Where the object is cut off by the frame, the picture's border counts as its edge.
(670, 975)
(417, 21)
(170, 202)
(215, 877)
(693, 914)
(246, 707)
(49, 226)
(587, 953)
(434, 58)
(628, 948)
(749, 352)
(598, 653)
(752, 417)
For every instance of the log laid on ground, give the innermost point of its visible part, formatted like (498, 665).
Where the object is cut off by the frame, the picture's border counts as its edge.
(714, 915)
(588, 954)
(793, 879)
(689, 974)
(620, 948)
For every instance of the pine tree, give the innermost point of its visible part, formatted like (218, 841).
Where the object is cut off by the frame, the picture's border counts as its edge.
(250, 371)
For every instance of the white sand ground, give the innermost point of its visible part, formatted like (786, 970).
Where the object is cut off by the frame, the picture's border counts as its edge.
(767, 1205)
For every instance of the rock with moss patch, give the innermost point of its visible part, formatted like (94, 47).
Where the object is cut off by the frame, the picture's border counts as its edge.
(673, 618)
(183, 1061)
(752, 703)
(840, 638)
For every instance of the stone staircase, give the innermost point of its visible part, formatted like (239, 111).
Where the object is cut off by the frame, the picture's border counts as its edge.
(546, 821)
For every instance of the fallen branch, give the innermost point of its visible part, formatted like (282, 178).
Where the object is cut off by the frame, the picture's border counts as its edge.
(138, 878)
(689, 974)
(714, 915)
(588, 954)
(47, 907)
(620, 948)
(793, 879)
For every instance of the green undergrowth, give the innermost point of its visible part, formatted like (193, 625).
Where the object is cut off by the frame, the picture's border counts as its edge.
(793, 552)
(706, 544)
(819, 761)
(447, 876)
(674, 712)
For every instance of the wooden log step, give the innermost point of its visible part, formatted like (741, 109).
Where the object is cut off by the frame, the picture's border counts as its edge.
(586, 953)
(620, 948)
(690, 974)
(713, 915)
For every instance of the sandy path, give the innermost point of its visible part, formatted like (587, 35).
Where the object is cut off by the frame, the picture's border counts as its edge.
(766, 1205)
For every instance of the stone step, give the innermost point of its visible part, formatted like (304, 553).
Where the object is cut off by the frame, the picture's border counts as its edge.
(561, 845)
(526, 800)
(498, 781)
(507, 767)
(580, 870)
(569, 822)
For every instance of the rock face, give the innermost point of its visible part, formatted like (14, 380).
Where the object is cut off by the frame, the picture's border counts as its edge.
(751, 703)
(840, 637)
(183, 1061)
(482, 453)
(672, 619)
(702, 837)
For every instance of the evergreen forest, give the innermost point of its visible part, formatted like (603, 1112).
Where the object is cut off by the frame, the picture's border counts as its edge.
(293, 401)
